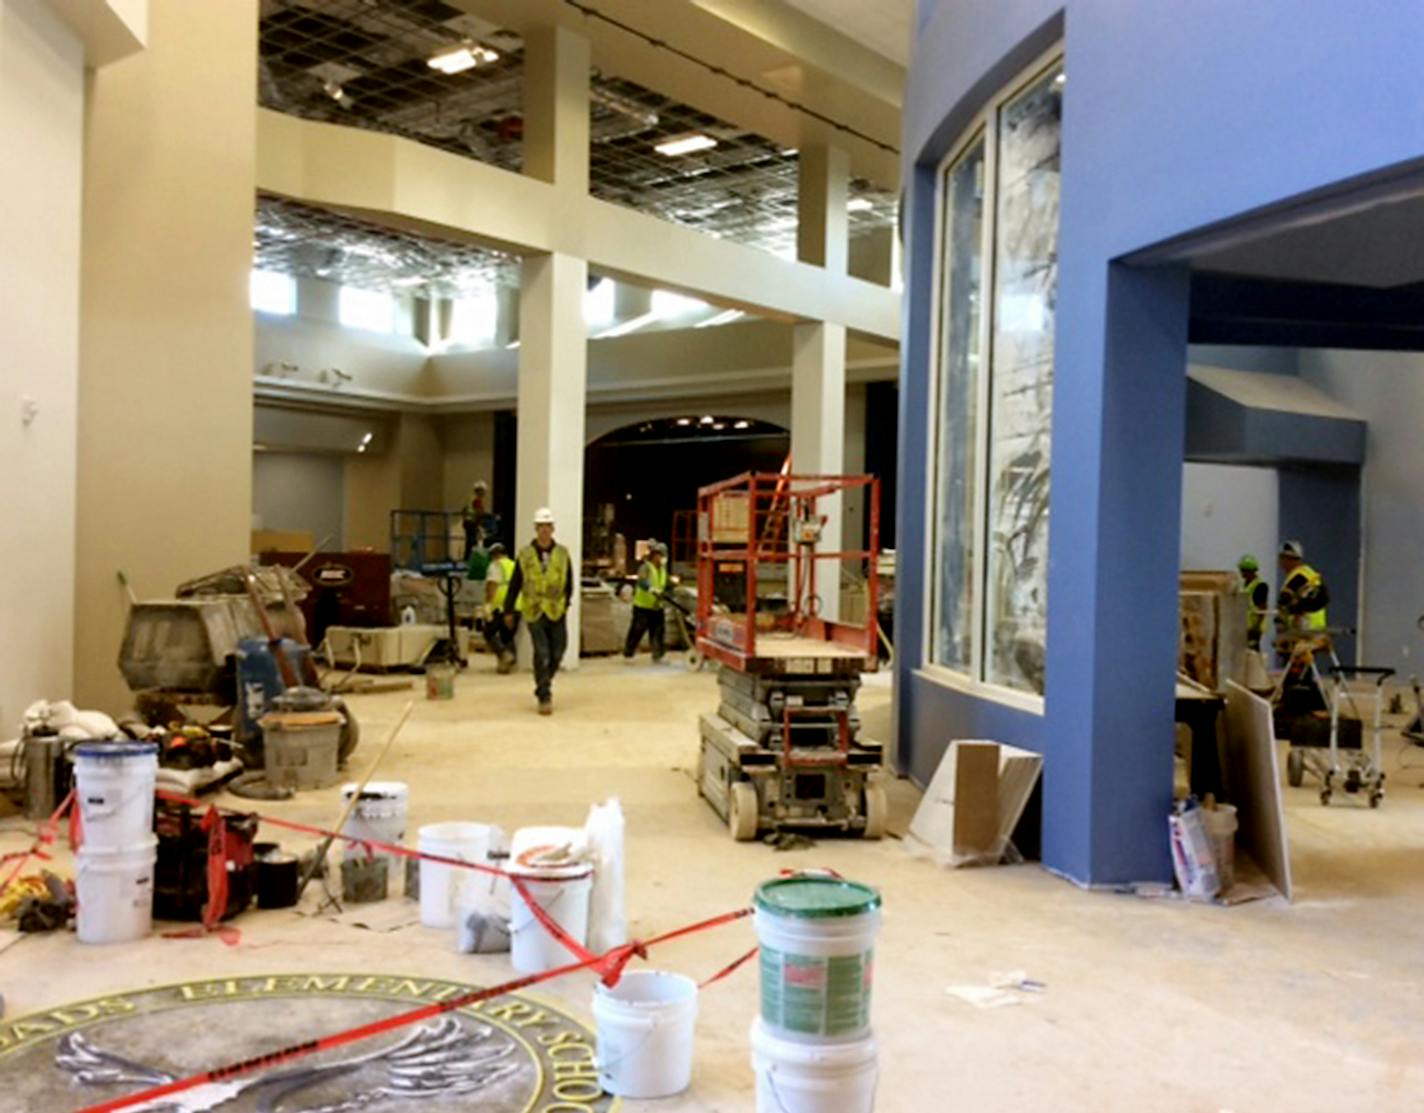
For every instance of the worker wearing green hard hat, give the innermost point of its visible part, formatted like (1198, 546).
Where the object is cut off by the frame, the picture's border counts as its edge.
(1258, 598)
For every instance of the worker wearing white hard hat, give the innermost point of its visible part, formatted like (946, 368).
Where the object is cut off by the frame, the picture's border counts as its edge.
(1302, 599)
(541, 587)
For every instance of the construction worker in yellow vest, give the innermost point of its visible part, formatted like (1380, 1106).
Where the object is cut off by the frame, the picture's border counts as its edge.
(541, 586)
(648, 604)
(1302, 599)
(1258, 599)
(497, 578)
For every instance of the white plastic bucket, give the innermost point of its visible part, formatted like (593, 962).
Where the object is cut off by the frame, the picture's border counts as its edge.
(645, 1030)
(817, 957)
(562, 892)
(440, 884)
(379, 815)
(1221, 827)
(114, 891)
(114, 784)
(796, 1077)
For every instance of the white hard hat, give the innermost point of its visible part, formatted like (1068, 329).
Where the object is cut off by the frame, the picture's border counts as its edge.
(543, 516)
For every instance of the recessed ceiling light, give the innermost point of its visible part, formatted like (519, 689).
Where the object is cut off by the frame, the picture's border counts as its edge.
(458, 59)
(742, 425)
(1061, 79)
(685, 145)
(719, 426)
(684, 421)
(708, 419)
(859, 205)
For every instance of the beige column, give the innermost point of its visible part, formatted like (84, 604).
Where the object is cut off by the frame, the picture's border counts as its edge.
(165, 379)
(818, 350)
(553, 376)
(553, 357)
(823, 181)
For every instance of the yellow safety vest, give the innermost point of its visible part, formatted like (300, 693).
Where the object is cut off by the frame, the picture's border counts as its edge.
(541, 591)
(1313, 620)
(506, 568)
(1255, 616)
(657, 581)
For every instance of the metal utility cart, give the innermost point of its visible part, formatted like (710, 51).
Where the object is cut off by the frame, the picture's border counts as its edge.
(783, 749)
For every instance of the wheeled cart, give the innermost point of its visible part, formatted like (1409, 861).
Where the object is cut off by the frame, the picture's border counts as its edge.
(1344, 762)
(783, 749)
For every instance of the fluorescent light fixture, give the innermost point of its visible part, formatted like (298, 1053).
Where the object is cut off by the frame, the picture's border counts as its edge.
(1061, 79)
(686, 145)
(409, 281)
(458, 59)
(859, 205)
(626, 327)
(725, 318)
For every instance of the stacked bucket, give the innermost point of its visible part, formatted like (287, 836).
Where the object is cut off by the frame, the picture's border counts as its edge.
(812, 1045)
(114, 785)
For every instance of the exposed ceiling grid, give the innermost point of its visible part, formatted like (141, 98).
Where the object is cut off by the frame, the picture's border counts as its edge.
(311, 242)
(363, 63)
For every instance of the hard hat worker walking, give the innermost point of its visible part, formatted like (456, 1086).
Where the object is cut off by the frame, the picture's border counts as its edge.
(541, 586)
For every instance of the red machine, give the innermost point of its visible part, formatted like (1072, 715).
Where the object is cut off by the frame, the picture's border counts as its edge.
(783, 749)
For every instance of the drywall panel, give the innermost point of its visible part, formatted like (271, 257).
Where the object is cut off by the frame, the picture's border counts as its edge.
(165, 403)
(41, 115)
(299, 491)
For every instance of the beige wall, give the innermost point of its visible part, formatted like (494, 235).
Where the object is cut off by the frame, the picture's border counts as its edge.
(165, 409)
(467, 441)
(410, 476)
(41, 120)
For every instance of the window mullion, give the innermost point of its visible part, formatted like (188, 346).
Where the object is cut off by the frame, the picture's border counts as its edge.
(984, 394)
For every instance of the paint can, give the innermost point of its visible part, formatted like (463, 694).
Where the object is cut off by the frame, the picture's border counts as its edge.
(113, 887)
(645, 1034)
(114, 783)
(817, 957)
(277, 877)
(440, 884)
(797, 1077)
(364, 880)
(561, 890)
(440, 682)
(379, 815)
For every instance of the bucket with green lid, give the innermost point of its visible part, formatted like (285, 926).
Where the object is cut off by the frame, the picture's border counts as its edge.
(817, 938)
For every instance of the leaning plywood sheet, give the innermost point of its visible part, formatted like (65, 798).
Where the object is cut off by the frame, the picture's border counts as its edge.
(1254, 780)
(957, 822)
(1018, 774)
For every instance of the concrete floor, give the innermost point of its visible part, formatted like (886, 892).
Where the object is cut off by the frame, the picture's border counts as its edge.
(1149, 1005)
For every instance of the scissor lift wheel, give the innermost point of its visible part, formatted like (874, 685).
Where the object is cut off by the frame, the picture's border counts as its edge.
(742, 806)
(877, 812)
(1295, 767)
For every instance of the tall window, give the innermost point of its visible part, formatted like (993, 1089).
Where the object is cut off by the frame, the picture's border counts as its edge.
(373, 310)
(998, 277)
(474, 319)
(272, 292)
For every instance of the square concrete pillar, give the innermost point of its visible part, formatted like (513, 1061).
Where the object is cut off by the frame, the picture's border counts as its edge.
(556, 110)
(553, 374)
(818, 433)
(823, 182)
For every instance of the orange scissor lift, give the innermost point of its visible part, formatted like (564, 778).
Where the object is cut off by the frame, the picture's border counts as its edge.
(783, 749)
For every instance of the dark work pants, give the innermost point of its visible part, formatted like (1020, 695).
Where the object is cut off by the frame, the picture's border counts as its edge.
(550, 639)
(499, 636)
(472, 538)
(650, 620)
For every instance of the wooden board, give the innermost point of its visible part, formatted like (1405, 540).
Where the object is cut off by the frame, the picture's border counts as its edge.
(1253, 780)
(793, 645)
(957, 821)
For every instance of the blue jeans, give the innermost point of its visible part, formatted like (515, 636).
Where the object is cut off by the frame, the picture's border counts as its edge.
(550, 638)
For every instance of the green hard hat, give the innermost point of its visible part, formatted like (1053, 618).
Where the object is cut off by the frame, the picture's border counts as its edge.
(1249, 563)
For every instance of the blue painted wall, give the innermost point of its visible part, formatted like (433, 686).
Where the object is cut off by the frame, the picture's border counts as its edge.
(1177, 116)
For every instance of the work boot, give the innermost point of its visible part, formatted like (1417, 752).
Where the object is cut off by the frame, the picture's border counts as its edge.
(546, 707)
(506, 664)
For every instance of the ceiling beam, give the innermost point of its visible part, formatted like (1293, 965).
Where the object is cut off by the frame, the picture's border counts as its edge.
(839, 110)
(404, 184)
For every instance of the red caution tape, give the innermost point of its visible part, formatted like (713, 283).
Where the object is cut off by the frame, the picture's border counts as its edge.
(45, 836)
